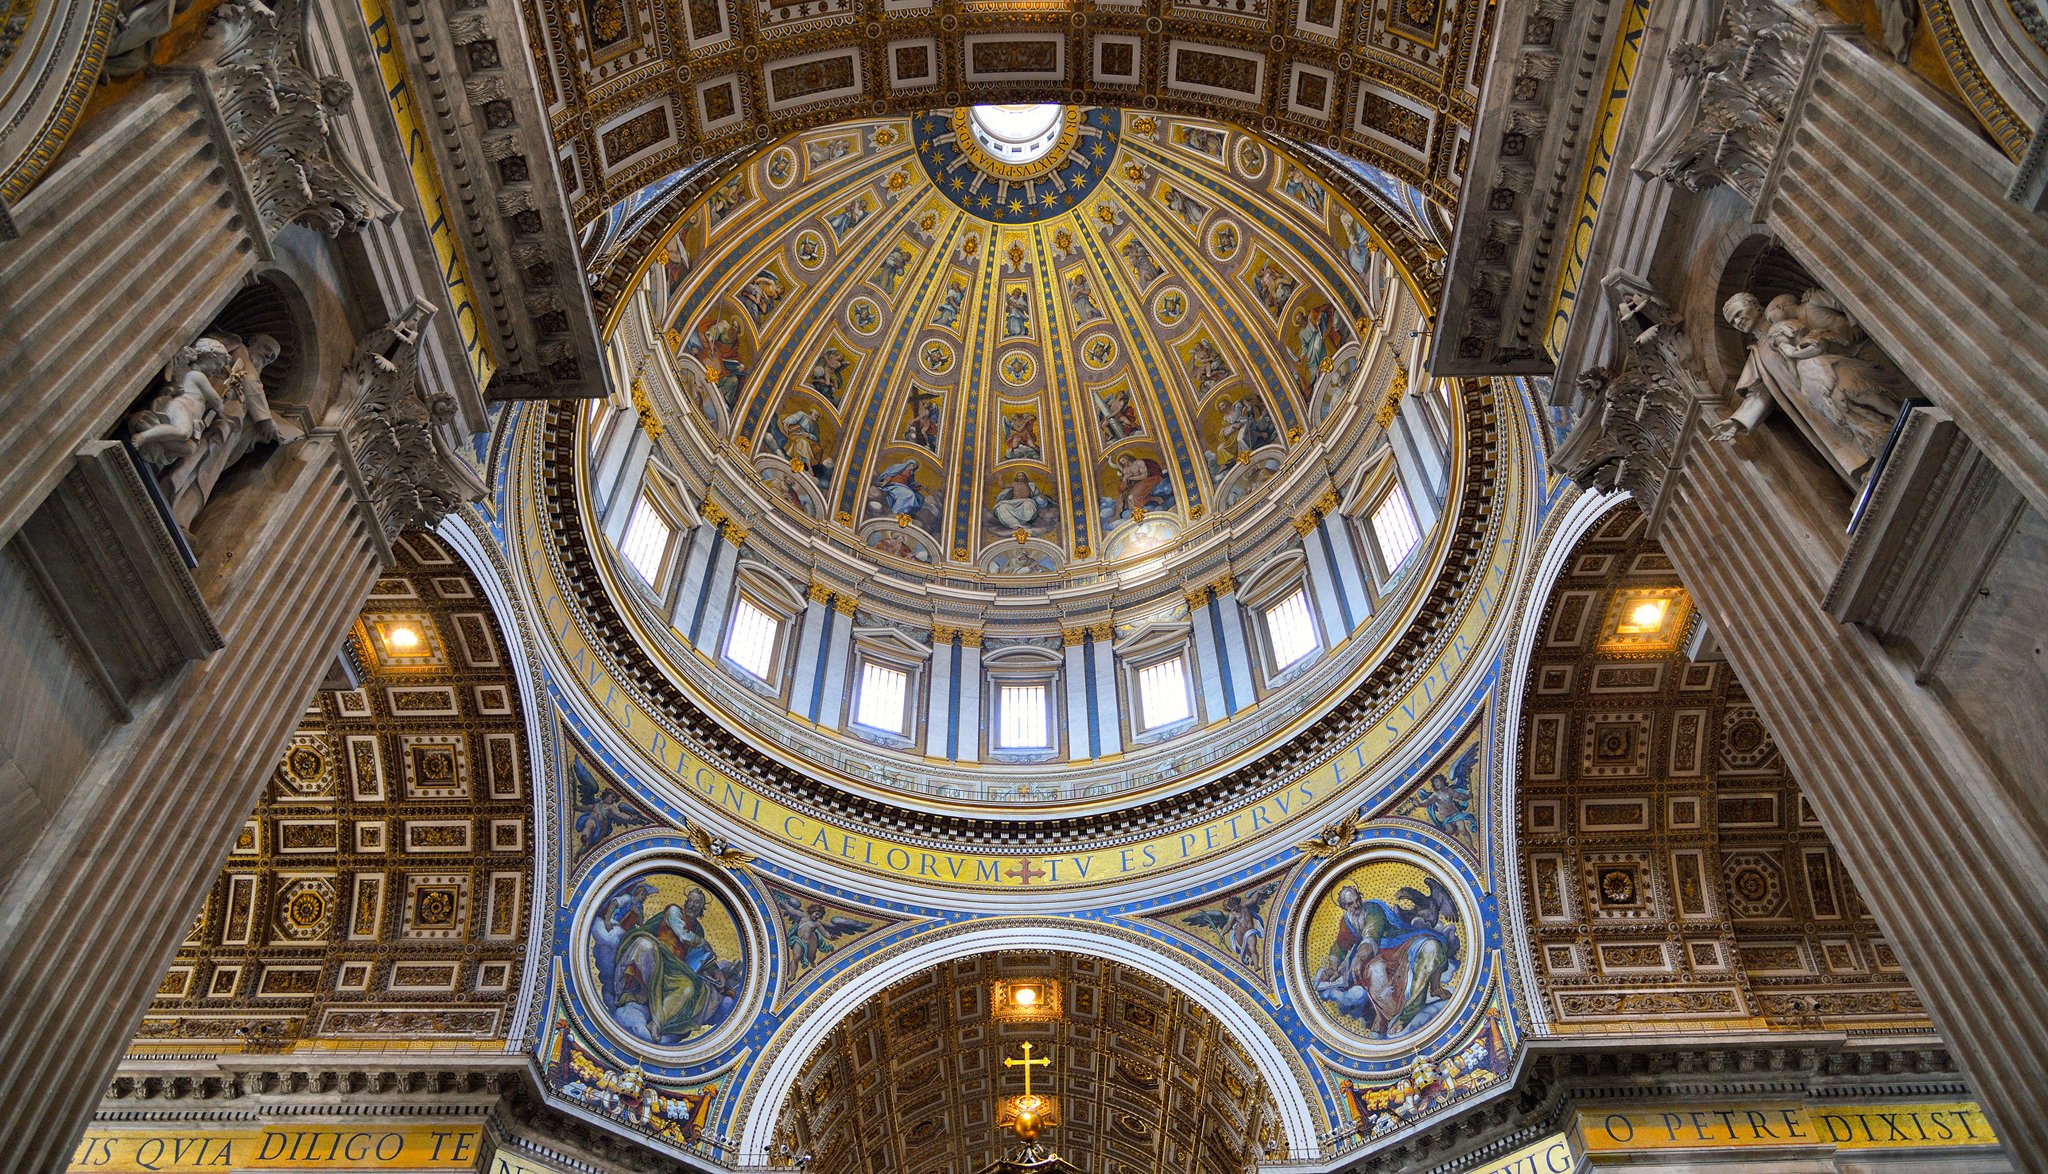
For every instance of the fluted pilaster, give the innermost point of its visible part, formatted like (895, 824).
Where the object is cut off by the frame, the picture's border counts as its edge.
(141, 836)
(1943, 852)
(127, 251)
(1893, 203)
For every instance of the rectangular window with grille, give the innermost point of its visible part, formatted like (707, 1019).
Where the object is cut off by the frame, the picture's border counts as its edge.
(1291, 627)
(750, 640)
(1021, 718)
(879, 704)
(1163, 695)
(1394, 528)
(646, 542)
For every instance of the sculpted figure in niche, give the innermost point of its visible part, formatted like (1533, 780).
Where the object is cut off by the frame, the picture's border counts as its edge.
(1809, 356)
(211, 412)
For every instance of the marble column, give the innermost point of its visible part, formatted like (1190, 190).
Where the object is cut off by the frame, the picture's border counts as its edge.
(1951, 857)
(128, 248)
(142, 829)
(1890, 200)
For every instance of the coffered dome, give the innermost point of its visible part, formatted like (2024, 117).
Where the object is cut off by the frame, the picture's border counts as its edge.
(1017, 343)
(994, 438)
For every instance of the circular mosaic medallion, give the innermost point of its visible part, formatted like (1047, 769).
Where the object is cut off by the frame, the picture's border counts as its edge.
(936, 357)
(1251, 158)
(810, 250)
(781, 167)
(667, 964)
(1098, 351)
(1387, 950)
(1224, 241)
(1017, 368)
(1170, 307)
(863, 315)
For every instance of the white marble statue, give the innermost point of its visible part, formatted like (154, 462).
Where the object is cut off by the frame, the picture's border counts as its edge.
(1808, 356)
(212, 412)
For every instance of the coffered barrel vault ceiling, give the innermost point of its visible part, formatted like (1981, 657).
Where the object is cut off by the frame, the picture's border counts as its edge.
(1674, 874)
(1143, 1080)
(637, 90)
(379, 891)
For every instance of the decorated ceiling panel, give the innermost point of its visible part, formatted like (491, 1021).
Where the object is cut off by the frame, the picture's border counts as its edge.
(1015, 370)
(380, 890)
(1673, 872)
(637, 90)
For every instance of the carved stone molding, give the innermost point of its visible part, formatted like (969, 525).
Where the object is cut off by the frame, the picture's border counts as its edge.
(1536, 136)
(1633, 419)
(468, 61)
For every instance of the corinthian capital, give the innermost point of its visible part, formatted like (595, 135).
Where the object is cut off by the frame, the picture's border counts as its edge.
(281, 118)
(398, 432)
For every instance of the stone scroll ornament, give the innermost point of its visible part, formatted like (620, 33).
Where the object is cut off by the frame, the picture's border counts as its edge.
(398, 431)
(281, 118)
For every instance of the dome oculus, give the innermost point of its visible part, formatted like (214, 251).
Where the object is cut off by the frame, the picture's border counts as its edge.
(1017, 134)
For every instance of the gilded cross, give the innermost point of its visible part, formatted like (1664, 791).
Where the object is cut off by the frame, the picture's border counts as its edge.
(1027, 1064)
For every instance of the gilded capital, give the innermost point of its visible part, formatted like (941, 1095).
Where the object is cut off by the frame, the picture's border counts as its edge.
(970, 637)
(844, 604)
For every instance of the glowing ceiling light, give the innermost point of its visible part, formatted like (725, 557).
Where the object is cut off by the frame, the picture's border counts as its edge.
(402, 636)
(1026, 996)
(1648, 615)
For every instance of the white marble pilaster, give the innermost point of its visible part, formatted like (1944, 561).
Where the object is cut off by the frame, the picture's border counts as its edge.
(1349, 564)
(1106, 702)
(1422, 434)
(1323, 587)
(1209, 664)
(810, 647)
(618, 509)
(1408, 460)
(966, 721)
(690, 583)
(1237, 651)
(1077, 717)
(618, 433)
(938, 706)
(838, 657)
(710, 634)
